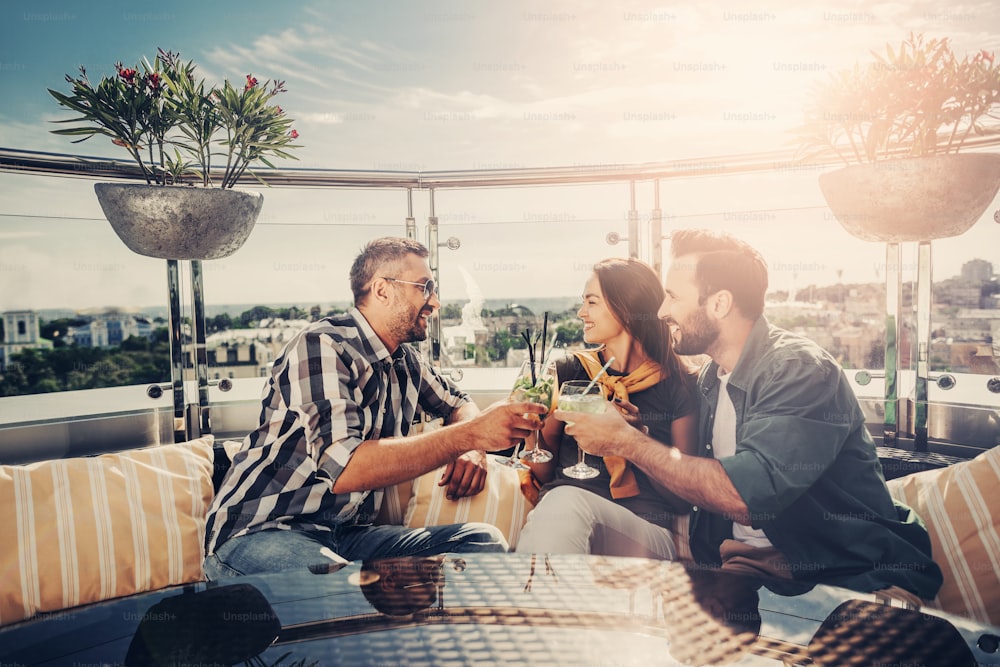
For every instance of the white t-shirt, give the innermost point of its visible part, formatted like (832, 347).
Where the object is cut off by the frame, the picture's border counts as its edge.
(724, 444)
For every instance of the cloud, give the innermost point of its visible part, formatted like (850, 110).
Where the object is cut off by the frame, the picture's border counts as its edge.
(320, 118)
(486, 85)
(304, 54)
(35, 134)
(11, 236)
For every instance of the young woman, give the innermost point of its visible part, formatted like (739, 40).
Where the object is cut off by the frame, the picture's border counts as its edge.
(621, 512)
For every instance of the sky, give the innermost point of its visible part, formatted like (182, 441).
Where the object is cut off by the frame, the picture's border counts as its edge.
(438, 85)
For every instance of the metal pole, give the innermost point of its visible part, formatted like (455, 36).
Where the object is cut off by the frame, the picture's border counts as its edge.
(633, 225)
(203, 423)
(893, 318)
(656, 232)
(923, 338)
(176, 337)
(411, 223)
(433, 261)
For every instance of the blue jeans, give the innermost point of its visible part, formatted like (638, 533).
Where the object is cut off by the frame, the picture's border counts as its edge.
(273, 550)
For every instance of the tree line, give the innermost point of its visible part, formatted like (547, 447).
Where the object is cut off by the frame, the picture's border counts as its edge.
(139, 360)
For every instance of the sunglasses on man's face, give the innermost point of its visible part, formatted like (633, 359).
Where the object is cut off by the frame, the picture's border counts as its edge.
(428, 287)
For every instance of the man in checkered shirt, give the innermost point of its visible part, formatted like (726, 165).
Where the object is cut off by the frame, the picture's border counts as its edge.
(307, 484)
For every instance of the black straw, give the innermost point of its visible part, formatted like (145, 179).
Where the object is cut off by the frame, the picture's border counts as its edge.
(545, 334)
(531, 354)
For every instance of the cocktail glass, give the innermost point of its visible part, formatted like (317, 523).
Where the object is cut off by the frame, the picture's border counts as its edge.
(535, 387)
(581, 396)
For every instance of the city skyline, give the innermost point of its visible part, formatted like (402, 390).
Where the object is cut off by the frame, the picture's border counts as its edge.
(536, 304)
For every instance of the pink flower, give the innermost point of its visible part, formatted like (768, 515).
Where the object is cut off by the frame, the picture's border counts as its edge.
(251, 82)
(294, 134)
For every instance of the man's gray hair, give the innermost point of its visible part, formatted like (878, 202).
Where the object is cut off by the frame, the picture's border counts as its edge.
(375, 256)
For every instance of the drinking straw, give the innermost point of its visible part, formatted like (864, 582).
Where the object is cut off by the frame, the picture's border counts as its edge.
(545, 336)
(531, 355)
(552, 346)
(599, 374)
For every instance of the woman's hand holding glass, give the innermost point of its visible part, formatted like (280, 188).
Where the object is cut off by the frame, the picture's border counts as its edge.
(581, 396)
(630, 412)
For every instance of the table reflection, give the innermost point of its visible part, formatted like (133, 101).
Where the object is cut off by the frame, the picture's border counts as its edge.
(507, 608)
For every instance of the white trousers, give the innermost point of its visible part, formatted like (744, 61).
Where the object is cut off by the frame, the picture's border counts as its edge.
(571, 520)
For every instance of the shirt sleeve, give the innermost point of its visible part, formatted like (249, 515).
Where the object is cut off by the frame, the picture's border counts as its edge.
(438, 395)
(797, 420)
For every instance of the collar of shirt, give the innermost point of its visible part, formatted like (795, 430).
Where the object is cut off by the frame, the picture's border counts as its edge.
(374, 346)
(744, 372)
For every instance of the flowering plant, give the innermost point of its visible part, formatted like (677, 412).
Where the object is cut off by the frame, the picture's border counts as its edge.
(917, 100)
(171, 124)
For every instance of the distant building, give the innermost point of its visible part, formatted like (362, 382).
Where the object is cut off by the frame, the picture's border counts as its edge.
(971, 324)
(240, 359)
(243, 353)
(21, 331)
(109, 328)
(977, 271)
(91, 334)
(21, 327)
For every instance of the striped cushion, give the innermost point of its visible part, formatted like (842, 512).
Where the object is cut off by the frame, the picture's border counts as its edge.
(961, 506)
(88, 529)
(682, 538)
(501, 503)
(394, 504)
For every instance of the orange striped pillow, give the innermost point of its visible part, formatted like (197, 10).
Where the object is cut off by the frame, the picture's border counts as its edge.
(961, 506)
(501, 503)
(88, 529)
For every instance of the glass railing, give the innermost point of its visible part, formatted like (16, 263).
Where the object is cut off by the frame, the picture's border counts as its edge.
(511, 245)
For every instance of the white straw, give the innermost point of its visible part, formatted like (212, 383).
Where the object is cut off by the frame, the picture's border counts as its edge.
(599, 374)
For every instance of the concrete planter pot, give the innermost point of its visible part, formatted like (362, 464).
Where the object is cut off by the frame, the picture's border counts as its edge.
(179, 222)
(912, 199)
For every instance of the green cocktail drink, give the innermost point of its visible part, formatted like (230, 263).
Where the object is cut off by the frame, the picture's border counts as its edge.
(581, 396)
(535, 385)
(542, 392)
(592, 403)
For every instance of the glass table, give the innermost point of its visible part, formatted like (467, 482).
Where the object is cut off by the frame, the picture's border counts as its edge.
(506, 609)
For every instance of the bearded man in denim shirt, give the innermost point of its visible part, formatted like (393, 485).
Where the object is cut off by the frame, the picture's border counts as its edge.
(788, 482)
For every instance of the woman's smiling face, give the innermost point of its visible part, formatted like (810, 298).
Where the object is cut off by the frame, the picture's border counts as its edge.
(599, 323)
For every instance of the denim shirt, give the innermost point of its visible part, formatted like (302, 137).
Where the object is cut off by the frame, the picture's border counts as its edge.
(807, 469)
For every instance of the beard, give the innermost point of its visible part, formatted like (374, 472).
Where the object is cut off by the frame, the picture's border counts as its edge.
(409, 326)
(696, 335)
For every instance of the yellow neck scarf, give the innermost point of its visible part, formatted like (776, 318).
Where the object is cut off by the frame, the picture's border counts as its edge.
(623, 484)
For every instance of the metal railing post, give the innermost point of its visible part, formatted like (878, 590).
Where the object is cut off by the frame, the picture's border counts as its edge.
(411, 222)
(433, 261)
(893, 313)
(633, 224)
(199, 353)
(923, 338)
(656, 232)
(176, 338)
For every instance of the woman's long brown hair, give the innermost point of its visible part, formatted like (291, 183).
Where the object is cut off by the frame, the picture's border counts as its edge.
(633, 292)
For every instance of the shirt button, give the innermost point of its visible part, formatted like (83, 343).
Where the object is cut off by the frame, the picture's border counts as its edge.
(694, 508)
(708, 447)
